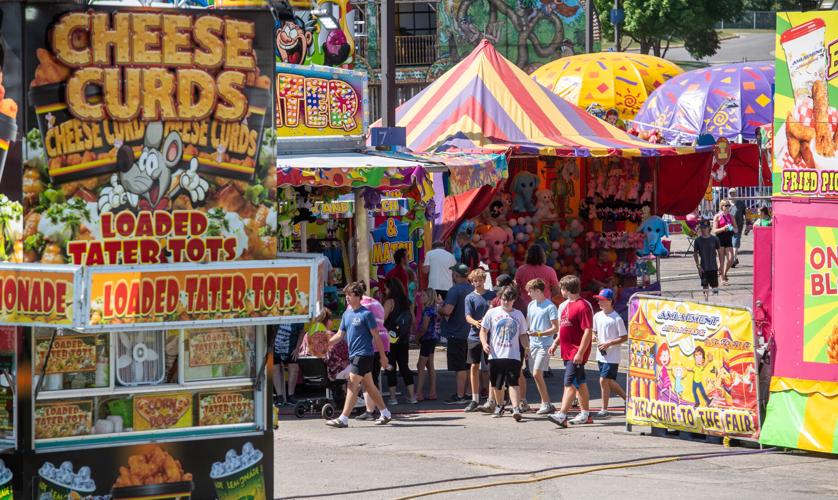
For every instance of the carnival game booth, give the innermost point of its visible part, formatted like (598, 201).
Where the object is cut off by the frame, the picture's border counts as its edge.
(576, 184)
(356, 205)
(732, 103)
(145, 275)
(802, 264)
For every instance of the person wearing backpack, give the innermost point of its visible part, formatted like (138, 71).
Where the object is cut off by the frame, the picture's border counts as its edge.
(399, 322)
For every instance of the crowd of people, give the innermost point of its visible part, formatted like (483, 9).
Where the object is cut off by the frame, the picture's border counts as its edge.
(492, 338)
(496, 337)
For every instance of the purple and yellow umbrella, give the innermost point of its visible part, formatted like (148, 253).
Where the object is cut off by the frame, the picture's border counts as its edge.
(728, 101)
(611, 79)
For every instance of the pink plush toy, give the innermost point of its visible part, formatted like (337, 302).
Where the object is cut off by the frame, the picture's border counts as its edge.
(496, 241)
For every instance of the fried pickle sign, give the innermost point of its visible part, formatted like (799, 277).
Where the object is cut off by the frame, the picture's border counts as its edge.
(320, 102)
(143, 113)
(806, 105)
(198, 294)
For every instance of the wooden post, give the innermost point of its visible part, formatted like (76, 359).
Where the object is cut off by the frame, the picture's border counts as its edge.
(362, 239)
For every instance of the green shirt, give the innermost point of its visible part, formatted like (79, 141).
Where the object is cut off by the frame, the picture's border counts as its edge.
(763, 222)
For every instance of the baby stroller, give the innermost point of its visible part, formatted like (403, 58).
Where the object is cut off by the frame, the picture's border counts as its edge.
(315, 374)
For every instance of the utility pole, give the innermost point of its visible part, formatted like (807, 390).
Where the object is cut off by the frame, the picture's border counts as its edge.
(618, 29)
(589, 26)
(388, 63)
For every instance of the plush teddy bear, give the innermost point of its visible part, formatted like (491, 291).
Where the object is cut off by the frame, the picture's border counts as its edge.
(544, 205)
(496, 240)
(647, 193)
(523, 189)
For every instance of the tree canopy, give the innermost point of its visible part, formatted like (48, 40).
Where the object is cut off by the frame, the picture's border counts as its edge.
(655, 24)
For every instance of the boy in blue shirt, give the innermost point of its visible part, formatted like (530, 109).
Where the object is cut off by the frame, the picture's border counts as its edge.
(360, 329)
(543, 323)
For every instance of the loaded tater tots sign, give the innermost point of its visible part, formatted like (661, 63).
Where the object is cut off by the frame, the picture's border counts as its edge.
(142, 113)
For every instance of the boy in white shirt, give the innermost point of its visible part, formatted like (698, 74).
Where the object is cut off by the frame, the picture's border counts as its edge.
(610, 332)
(503, 334)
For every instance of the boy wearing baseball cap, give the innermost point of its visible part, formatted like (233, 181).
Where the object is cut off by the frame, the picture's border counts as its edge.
(706, 250)
(610, 332)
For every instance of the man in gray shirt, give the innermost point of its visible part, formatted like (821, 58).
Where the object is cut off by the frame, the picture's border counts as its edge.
(707, 254)
(738, 212)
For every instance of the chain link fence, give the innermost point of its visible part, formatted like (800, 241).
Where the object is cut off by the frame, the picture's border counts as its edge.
(751, 20)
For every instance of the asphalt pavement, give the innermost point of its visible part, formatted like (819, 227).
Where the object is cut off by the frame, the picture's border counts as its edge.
(431, 447)
(747, 46)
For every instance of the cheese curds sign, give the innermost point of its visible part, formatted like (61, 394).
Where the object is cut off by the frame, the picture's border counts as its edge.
(176, 294)
(146, 130)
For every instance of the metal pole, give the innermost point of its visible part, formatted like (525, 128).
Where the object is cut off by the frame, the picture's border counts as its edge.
(388, 63)
(618, 30)
(589, 26)
(362, 239)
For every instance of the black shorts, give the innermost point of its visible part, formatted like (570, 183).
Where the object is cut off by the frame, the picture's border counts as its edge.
(504, 372)
(457, 354)
(426, 349)
(475, 352)
(573, 374)
(710, 279)
(361, 365)
(726, 239)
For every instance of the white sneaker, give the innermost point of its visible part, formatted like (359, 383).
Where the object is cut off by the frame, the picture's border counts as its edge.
(545, 409)
(602, 414)
(582, 418)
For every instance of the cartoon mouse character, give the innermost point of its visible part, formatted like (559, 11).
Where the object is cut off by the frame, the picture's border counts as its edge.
(147, 182)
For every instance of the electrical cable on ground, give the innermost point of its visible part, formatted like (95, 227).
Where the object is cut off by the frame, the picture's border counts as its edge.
(623, 465)
(606, 465)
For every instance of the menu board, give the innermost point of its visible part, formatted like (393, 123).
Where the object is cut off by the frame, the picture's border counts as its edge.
(215, 347)
(148, 138)
(225, 407)
(63, 419)
(70, 354)
(162, 411)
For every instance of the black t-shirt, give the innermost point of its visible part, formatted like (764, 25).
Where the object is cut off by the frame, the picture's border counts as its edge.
(707, 250)
(470, 257)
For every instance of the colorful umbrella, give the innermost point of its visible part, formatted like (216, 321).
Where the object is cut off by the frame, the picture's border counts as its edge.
(610, 79)
(724, 101)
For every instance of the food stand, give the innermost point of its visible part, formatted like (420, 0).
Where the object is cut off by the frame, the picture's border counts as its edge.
(802, 407)
(139, 296)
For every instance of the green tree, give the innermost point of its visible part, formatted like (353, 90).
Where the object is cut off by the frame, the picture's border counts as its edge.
(653, 24)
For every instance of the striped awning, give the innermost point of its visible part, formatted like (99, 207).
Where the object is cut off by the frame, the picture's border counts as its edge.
(486, 102)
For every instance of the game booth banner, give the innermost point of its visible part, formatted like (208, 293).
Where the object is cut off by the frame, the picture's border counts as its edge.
(802, 409)
(318, 107)
(692, 368)
(148, 135)
(806, 105)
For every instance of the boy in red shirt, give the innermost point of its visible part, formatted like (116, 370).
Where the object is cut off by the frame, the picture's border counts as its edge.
(576, 319)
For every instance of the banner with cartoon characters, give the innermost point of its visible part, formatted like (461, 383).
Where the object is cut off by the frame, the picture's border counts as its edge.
(317, 32)
(148, 132)
(806, 105)
(692, 368)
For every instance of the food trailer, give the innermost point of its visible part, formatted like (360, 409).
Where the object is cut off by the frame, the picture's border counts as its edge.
(143, 279)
